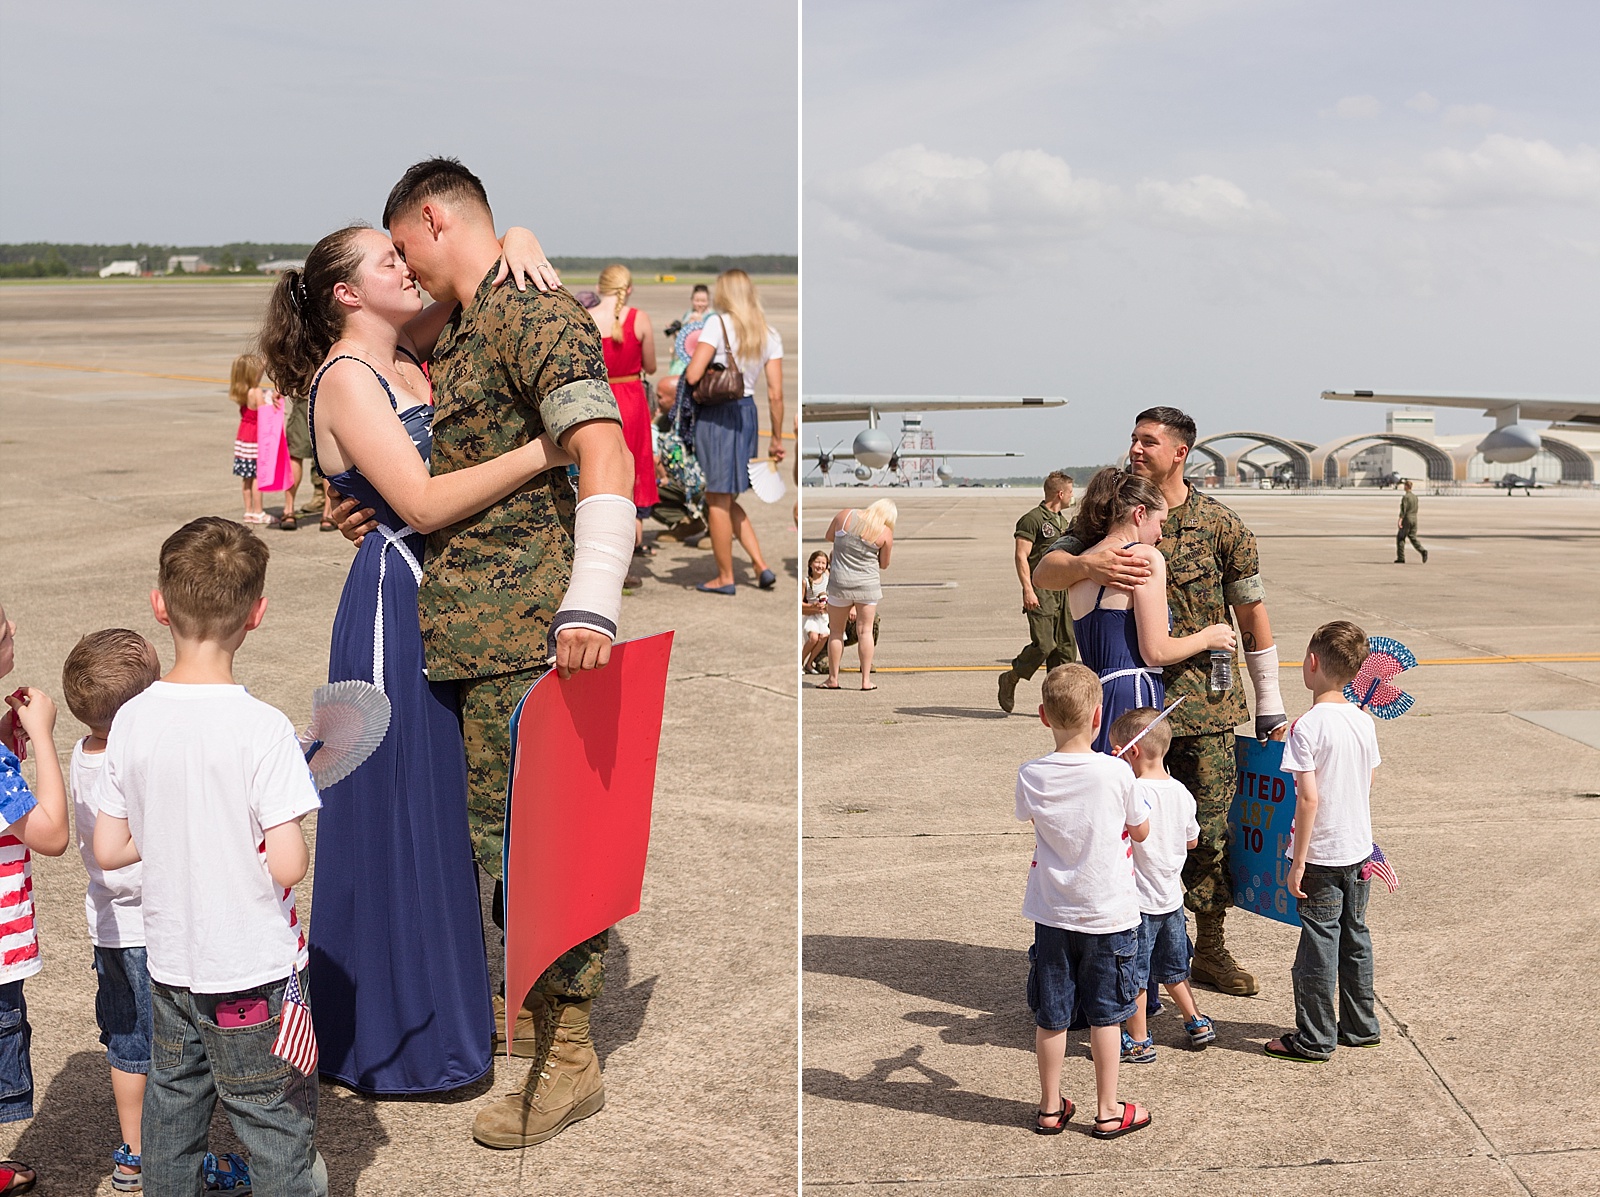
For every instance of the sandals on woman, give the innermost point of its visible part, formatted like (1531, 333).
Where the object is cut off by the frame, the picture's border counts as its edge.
(1061, 1117)
(1125, 1125)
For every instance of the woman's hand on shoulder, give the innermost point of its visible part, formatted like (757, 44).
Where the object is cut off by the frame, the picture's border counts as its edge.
(522, 259)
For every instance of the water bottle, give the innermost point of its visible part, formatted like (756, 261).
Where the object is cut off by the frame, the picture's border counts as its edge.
(1221, 671)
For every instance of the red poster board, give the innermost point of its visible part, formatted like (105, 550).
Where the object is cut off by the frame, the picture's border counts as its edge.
(583, 760)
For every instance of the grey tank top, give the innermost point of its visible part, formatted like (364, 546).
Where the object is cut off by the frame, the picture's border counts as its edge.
(855, 562)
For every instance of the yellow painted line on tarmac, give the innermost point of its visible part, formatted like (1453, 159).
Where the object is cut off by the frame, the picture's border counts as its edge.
(1529, 659)
(17, 361)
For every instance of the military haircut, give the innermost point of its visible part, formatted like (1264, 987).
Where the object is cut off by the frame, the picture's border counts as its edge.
(104, 670)
(212, 570)
(435, 178)
(1130, 723)
(1341, 647)
(1179, 423)
(1070, 694)
(1057, 482)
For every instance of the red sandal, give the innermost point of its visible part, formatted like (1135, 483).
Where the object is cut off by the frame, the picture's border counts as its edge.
(16, 1177)
(1126, 1125)
(1062, 1117)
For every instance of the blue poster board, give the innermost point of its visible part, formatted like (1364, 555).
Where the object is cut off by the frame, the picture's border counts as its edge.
(1260, 823)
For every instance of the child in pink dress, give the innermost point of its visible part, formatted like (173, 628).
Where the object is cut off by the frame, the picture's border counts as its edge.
(245, 389)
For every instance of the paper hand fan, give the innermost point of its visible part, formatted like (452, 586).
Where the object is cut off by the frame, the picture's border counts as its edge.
(766, 481)
(348, 722)
(1372, 689)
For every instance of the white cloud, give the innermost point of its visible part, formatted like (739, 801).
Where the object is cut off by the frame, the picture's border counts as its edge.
(1501, 171)
(1422, 102)
(1357, 108)
(1202, 203)
(934, 200)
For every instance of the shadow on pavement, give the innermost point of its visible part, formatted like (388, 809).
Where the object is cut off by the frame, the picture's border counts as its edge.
(958, 974)
(953, 712)
(619, 1011)
(938, 1094)
(74, 1128)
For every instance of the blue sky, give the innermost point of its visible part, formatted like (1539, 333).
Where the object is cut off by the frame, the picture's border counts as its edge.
(192, 122)
(1230, 205)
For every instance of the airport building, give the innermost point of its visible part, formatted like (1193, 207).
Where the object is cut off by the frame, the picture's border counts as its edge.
(127, 267)
(279, 265)
(188, 264)
(1408, 447)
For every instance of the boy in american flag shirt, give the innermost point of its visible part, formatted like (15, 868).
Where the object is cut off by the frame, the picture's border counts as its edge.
(31, 820)
(207, 786)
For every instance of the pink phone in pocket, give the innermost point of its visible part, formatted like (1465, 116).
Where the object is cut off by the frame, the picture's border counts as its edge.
(242, 1012)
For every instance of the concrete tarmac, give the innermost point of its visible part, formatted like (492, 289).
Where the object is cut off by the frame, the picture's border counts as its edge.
(918, 1066)
(697, 1027)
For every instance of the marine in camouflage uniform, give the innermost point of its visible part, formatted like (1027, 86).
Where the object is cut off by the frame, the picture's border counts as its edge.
(1212, 565)
(1050, 640)
(509, 366)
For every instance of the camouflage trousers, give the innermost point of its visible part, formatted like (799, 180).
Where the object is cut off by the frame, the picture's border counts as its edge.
(1049, 636)
(1205, 764)
(487, 704)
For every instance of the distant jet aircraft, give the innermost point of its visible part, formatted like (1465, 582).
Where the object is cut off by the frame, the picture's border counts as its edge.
(1514, 482)
(874, 449)
(1511, 440)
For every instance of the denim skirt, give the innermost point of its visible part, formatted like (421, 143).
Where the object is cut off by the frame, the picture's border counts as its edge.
(725, 441)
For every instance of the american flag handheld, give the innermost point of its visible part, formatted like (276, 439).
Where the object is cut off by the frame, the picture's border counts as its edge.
(297, 1038)
(1372, 689)
(1378, 866)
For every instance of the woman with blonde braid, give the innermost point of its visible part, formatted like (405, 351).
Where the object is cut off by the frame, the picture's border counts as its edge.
(630, 351)
(737, 337)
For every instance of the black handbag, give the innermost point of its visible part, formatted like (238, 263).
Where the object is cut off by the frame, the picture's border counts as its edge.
(720, 384)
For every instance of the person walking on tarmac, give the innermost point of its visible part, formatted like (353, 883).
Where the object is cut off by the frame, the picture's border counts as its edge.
(1212, 565)
(1407, 528)
(1049, 622)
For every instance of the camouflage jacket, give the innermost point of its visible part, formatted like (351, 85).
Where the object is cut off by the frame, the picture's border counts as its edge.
(510, 365)
(1211, 565)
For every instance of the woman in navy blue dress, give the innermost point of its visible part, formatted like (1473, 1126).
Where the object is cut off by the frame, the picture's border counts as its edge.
(1123, 637)
(399, 981)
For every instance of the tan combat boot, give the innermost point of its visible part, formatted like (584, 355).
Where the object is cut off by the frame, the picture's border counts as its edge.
(565, 1087)
(527, 1025)
(1213, 965)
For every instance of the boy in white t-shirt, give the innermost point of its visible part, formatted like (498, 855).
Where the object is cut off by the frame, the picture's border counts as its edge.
(1082, 899)
(1164, 947)
(207, 786)
(1332, 751)
(102, 672)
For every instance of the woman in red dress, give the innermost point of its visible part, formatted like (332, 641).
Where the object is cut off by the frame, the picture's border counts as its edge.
(630, 351)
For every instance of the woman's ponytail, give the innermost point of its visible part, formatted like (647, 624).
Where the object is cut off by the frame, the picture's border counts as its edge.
(1111, 495)
(303, 320)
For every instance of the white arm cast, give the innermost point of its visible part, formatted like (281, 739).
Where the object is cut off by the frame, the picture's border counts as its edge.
(1263, 668)
(602, 538)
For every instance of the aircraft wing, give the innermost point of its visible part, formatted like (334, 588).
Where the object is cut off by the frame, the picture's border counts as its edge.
(1561, 409)
(822, 409)
(904, 454)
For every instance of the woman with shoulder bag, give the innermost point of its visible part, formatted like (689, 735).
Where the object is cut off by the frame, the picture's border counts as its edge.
(736, 346)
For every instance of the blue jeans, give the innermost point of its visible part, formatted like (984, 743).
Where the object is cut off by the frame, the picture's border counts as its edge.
(1164, 949)
(272, 1107)
(1335, 949)
(1073, 973)
(122, 1007)
(16, 1068)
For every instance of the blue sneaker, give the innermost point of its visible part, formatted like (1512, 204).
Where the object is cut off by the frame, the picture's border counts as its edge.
(227, 1174)
(1201, 1032)
(1138, 1051)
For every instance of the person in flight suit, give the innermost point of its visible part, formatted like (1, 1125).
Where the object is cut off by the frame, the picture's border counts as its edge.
(1406, 529)
(1049, 622)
